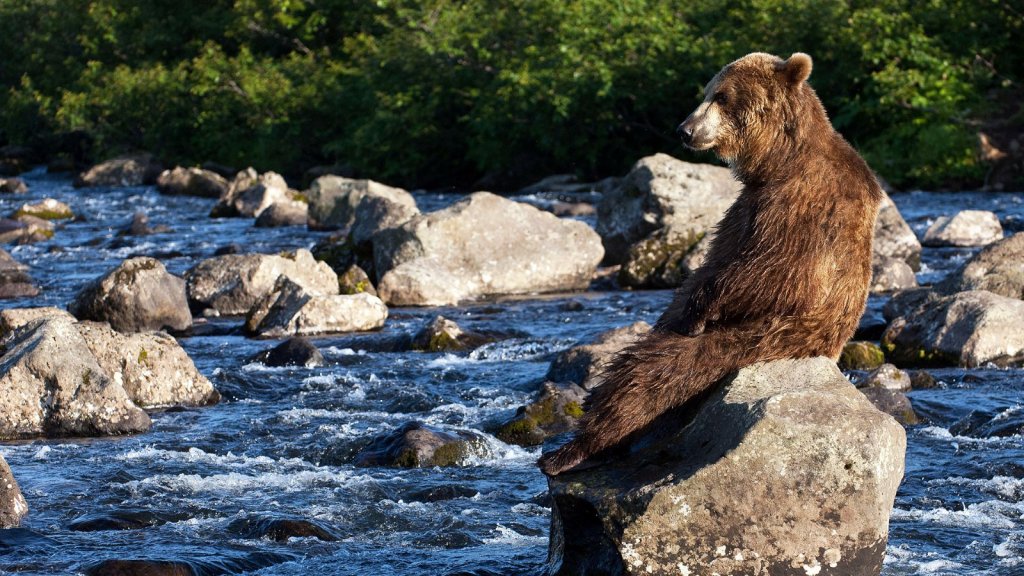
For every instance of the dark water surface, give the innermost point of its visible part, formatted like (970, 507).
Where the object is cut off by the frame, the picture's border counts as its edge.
(282, 441)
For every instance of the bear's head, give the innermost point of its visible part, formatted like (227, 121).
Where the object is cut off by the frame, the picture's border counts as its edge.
(755, 105)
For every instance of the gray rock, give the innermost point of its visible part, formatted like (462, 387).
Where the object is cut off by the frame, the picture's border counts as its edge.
(55, 387)
(965, 228)
(139, 226)
(25, 230)
(233, 283)
(893, 236)
(556, 410)
(894, 403)
(127, 170)
(290, 310)
(444, 335)
(283, 213)
(13, 318)
(997, 268)
(889, 274)
(138, 295)
(183, 181)
(355, 281)
(861, 356)
(12, 503)
(13, 186)
(333, 200)
(965, 329)
(250, 193)
(416, 445)
(295, 351)
(376, 213)
(906, 301)
(483, 245)
(888, 377)
(15, 281)
(152, 367)
(786, 469)
(659, 260)
(663, 192)
(582, 364)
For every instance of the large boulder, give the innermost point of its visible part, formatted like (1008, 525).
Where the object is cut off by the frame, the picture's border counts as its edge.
(583, 364)
(893, 236)
(152, 367)
(250, 193)
(965, 228)
(964, 329)
(333, 200)
(55, 387)
(785, 469)
(183, 181)
(483, 245)
(997, 268)
(12, 503)
(138, 295)
(233, 283)
(127, 170)
(291, 311)
(15, 281)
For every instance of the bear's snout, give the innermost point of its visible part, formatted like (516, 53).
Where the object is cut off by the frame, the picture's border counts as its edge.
(685, 131)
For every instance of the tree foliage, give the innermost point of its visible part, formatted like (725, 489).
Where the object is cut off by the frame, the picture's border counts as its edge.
(436, 92)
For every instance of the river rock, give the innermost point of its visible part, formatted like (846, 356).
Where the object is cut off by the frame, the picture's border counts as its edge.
(13, 186)
(25, 230)
(15, 281)
(138, 295)
(965, 329)
(861, 356)
(55, 387)
(444, 335)
(13, 318)
(893, 236)
(376, 213)
(785, 469)
(417, 445)
(663, 192)
(139, 226)
(280, 529)
(182, 181)
(889, 274)
(997, 268)
(283, 213)
(233, 283)
(295, 351)
(965, 228)
(47, 209)
(556, 410)
(12, 503)
(483, 245)
(290, 310)
(583, 364)
(333, 200)
(886, 376)
(152, 367)
(894, 403)
(250, 193)
(355, 281)
(127, 170)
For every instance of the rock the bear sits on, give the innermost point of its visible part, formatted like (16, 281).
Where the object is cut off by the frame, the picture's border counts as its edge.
(787, 274)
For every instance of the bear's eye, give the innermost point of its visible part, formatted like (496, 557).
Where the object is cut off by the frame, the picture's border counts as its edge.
(721, 98)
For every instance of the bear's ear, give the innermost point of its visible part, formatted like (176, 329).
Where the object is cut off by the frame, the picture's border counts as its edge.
(797, 68)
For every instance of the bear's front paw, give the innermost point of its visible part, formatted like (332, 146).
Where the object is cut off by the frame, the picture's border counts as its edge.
(558, 461)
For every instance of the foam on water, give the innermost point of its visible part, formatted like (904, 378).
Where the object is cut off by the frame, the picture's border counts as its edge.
(994, 514)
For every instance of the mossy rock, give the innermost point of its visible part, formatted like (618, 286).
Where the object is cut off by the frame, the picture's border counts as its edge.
(557, 409)
(355, 281)
(861, 356)
(658, 261)
(416, 445)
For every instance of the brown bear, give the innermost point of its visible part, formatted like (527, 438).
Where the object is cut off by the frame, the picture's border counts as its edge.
(787, 273)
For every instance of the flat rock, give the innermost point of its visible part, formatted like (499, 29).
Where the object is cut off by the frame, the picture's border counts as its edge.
(283, 213)
(15, 281)
(127, 170)
(233, 283)
(483, 245)
(12, 503)
(893, 236)
(47, 209)
(182, 181)
(152, 367)
(967, 329)
(997, 268)
(295, 351)
(582, 364)
(55, 387)
(785, 469)
(333, 200)
(138, 295)
(663, 192)
(556, 410)
(965, 228)
(290, 310)
(417, 445)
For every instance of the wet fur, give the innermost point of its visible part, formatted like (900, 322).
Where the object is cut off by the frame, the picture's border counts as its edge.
(787, 273)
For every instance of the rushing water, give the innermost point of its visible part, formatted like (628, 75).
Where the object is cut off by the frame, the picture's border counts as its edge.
(281, 443)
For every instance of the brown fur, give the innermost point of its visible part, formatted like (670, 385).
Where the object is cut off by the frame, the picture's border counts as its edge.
(787, 274)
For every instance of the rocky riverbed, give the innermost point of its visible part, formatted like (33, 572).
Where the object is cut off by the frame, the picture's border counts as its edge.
(270, 479)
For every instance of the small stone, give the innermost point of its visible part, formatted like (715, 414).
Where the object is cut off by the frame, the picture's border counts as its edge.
(13, 186)
(893, 403)
(861, 356)
(355, 281)
(295, 351)
(888, 377)
(15, 281)
(444, 335)
(888, 274)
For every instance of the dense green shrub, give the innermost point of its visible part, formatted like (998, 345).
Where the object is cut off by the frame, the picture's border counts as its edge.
(435, 92)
